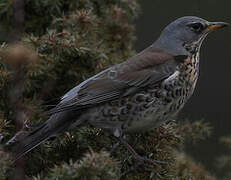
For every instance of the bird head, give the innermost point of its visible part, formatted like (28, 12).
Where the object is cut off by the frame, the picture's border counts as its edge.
(186, 34)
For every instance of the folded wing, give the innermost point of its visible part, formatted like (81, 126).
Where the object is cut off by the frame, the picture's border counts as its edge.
(148, 68)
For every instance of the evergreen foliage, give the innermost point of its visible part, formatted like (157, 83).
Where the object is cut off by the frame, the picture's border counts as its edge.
(66, 42)
(223, 163)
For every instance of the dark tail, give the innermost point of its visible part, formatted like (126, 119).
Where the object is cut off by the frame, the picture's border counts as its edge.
(56, 124)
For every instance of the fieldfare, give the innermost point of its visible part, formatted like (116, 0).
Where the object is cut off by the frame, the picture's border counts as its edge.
(136, 95)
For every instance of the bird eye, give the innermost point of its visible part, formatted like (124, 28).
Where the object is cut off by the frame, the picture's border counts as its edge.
(197, 27)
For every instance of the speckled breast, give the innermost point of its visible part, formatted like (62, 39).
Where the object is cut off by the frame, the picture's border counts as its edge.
(152, 106)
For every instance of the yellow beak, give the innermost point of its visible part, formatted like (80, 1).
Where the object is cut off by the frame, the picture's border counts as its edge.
(216, 25)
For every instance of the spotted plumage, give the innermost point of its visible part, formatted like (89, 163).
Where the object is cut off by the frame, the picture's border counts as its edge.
(136, 95)
(152, 105)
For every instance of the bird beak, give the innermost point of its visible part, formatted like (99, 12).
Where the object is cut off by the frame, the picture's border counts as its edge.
(216, 25)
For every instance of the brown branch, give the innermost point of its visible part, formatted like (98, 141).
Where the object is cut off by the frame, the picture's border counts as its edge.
(16, 101)
(20, 59)
(18, 19)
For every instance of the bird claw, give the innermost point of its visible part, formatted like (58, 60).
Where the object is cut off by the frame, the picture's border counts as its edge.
(114, 147)
(141, 160)
(146, 161)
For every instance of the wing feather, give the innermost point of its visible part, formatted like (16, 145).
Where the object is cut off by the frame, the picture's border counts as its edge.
(149, 67)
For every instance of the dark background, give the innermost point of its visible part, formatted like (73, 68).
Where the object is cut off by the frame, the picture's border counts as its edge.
(212, 97)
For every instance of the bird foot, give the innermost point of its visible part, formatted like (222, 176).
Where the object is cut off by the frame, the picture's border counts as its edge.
(146, 161)
(141, 160)
(114, 147)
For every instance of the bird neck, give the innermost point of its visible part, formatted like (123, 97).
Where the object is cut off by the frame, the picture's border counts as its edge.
(170, 47)
(176, 47)
(195, 46)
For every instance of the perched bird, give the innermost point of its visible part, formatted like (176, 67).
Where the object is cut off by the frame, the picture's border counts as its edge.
(136, 95)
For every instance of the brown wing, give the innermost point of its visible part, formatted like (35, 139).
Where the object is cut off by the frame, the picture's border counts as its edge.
(145, 69)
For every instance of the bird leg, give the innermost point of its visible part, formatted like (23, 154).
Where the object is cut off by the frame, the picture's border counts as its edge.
(114, 147)
(137, 157)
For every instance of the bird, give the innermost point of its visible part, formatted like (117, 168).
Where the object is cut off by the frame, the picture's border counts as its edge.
(136, 95)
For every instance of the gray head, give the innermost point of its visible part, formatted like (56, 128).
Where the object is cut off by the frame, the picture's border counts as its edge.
(185, 35)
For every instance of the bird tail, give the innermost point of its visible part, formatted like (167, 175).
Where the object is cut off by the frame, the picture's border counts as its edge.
(28, 141)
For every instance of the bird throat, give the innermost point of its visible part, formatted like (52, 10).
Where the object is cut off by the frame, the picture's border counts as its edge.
(194, 47)
(192, 63)
(194, 53)
(189, 69)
